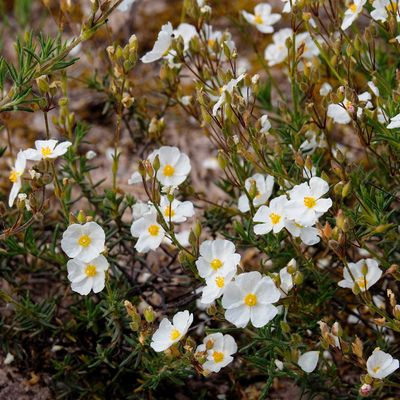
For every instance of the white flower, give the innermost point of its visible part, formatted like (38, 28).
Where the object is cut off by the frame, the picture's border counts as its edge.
(364, 273)
(215, 286)
(167, 334)
(310, 48)
(139, 209)
(383, 8)
(46, 149)
(308, 361)
(342, 113)
(90, 155)
(162, 44)
(262, 18)
(307, 234)
(187, 32)
(15, 177)
(265, 124)
(228, 88)
(381, 364)
(219, 349)
(306, 205)
(249, 298)
(286, 279)
(325, 89)
(272, 217)
(83, 242)
(217, 258)
(394, 122)
(149, 232)
(312, 142)
(277, 52)
(288, 5)
(353, 11)
(278, 364)
(374, 88)
(9, 359)
(87, 276)
(264, 186)
(174, 165)
(176, 211)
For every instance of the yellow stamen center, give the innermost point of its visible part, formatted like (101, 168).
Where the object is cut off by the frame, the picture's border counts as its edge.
(169, 212)
(275, 218)
(220, 281)
(175, 334)
(216, 264)
(298, 225)
(14, 175)
(310, 202)
(250, 300)
(46, 151)
(211, 42)
(376, 369)
(153, 230)
(218, 356)
(353, 7)
(362, 282)
(90, 270)
(392, 6)
(168, 170)
(84, 241)
(258, 19)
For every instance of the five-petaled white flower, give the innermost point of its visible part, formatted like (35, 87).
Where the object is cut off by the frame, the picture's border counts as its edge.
(381, 364)
(217, 258)
(262, 18)
(250, 297)
(162, 44)
(384, 8)
(167, 334)
(308, 361)
(306, 205)
(83, 242)
(15, 177)
(174, 165)
(353, 11)
(149, 232)
(276, 52)
(176, 211)
(264, 184)
(219, 349)
(272, 217)
(215, 286)
(364, 273)
(307, 234)
(46, 149)
(87, 276)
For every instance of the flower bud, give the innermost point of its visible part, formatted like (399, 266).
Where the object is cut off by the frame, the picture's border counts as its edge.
(149, 314)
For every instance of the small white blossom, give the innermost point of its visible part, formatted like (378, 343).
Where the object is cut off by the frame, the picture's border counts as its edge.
(217, 258)
(384, 8)
(9, 359)
(306, 204)
(325, 89)
(262, 18)
(250, 297)
(15, 177)
(228, 88)
(87, 276)
(176, 211)
(381, 364)
(287, 7)
(264, 186)
(364, 273)
(308, 361)
(162, 44)
(169, 333)
(272, 217)
(353, 11)
(307, 234)
(174, 165)
(90, 155)
(149, 232)
(83, 242)
(219, 349)
(265, 124)
(277, 52)
(46, 149)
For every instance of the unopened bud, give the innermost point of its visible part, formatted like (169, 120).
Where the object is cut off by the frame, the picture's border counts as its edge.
(149, 314)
